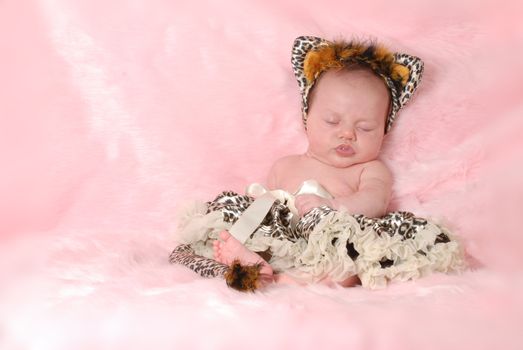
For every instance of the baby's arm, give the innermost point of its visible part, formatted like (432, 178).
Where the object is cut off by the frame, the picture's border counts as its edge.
(373, 195)
(272, 178)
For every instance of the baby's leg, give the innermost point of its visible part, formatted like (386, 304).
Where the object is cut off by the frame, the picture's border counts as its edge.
(350, 282)
(230, 249)
(184, 255)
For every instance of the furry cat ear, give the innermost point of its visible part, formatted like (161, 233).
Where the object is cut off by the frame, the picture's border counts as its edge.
(311, 56)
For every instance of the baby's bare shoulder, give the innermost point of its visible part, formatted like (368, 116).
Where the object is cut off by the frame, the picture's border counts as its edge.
(286, 161)
(279, 170)
(376, 169)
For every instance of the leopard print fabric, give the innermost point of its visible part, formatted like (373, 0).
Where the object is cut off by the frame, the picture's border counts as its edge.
(277, 224)
(400, 95)
(184, 255)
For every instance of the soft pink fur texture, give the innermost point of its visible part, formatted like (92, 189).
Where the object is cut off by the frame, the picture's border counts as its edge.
(113, 113)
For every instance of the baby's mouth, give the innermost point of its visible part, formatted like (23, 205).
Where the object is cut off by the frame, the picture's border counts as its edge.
(345, 150)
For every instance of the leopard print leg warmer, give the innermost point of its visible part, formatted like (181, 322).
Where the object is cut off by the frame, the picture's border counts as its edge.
(184, 255)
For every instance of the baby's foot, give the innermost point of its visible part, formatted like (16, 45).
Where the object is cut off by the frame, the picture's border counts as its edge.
(230, 249)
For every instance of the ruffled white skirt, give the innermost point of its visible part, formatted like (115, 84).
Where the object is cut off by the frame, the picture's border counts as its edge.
(324, 253)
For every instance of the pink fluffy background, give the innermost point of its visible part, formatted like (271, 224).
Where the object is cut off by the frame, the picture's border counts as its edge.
(112, 113)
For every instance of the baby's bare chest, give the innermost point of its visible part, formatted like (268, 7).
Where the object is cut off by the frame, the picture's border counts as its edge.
(337, 181)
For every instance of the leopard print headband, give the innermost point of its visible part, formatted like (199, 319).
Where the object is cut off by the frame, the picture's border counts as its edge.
(311, 56)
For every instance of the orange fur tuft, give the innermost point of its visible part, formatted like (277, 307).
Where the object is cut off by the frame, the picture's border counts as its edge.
(382, 54)
(400, 72)
(319, 60)
(245, 278)
(338, 54)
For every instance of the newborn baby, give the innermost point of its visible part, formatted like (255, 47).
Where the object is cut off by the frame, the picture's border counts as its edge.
(345, 130)
(325, 217)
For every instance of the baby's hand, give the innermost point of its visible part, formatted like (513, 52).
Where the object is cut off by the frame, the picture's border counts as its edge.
(305, 202)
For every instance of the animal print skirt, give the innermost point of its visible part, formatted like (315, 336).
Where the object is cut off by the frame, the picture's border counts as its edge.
(323, 243)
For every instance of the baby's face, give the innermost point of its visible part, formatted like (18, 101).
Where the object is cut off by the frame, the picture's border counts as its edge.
(346, 119)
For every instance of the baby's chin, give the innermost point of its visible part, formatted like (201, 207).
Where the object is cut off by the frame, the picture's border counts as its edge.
(339, 162)
(344, 163)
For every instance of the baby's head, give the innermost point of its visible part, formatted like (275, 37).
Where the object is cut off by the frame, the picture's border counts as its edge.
(351, 93)
(348, 110)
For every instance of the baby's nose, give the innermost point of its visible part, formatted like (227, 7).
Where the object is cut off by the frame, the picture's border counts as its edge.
(348, 133)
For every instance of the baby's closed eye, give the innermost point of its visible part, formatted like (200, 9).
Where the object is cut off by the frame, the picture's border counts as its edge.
(332, 122)
(366, 125)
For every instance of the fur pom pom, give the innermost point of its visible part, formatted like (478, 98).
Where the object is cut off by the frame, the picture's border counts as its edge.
(245, 278)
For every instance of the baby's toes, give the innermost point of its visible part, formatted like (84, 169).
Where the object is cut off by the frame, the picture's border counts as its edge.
(225, 235)
(216, 249)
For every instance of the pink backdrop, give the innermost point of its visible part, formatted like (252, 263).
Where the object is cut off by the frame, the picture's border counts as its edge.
(112, 113)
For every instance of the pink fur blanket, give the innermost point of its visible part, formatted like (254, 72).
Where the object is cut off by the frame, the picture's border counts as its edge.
(113, 113)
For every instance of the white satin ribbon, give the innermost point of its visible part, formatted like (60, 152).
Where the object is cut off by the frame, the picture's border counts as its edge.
(250, 218)
(253, 216)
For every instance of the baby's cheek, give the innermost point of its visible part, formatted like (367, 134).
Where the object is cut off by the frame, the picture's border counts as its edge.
(318, 139)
